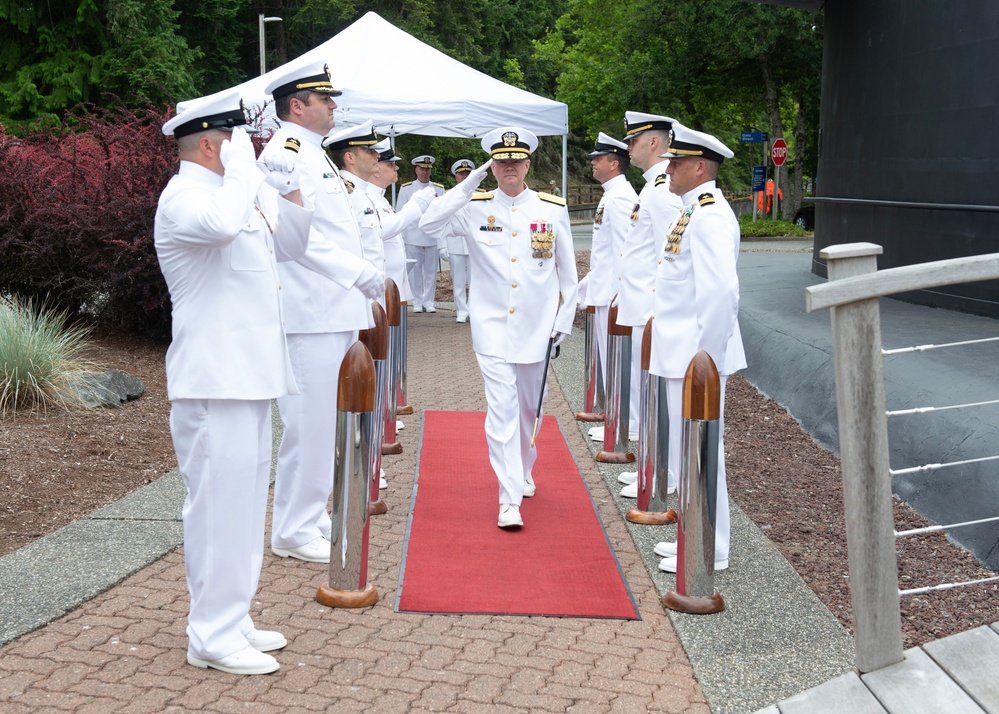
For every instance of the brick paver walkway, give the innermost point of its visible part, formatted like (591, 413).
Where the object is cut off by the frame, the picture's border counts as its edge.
(124, 651)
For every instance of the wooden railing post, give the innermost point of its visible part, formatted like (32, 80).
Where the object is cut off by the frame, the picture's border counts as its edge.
(863, 440)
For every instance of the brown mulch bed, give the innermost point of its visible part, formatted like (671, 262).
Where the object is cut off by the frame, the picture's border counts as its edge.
(58, 467)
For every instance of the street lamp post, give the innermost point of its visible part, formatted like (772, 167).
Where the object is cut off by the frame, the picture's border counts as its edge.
(263, 48)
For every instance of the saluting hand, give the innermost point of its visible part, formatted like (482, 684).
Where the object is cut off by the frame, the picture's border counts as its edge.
(474, 178)
(280, 168)
(236, 153)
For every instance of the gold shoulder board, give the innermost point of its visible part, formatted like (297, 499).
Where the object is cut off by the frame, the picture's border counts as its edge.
(661, 179)
(292, 144)
(406, 184)
(479, 189)
(482, 196)
(551, 199)
(705, 199)
(438, 185)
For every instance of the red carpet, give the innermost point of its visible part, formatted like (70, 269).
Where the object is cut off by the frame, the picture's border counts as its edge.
(457, 560)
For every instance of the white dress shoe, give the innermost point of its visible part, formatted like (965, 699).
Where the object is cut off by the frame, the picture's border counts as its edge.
(669, 564)
(317, 551)
(665, 549)
(399, 426)
(417, 308)
(246, 661)
(265, 640)
(509, 516)
(628, 477)
(429, 308)
(596, 432)
(382, 483)
(529, 488)
(461, 318)
(630, 491)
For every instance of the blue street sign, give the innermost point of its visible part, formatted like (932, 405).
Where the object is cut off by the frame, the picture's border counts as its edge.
(752, 137)
(759, 178)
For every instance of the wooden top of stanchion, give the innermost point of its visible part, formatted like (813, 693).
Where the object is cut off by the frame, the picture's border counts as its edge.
(392, 302)
(612, 327)
(702, 389)
(590, 309)
(376, 338)
(356, 384)
(647, 345)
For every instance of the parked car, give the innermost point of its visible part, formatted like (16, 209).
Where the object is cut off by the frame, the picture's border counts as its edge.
(805, 217)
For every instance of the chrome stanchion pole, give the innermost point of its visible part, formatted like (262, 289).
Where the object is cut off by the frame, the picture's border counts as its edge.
(593, 381)
(618, 395)
(698, 490)
(403, 406)
(395, 312)
(653, 443)
(376, 339)
(348, 572)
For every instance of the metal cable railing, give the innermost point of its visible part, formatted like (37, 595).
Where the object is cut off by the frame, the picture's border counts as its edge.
(925, 468)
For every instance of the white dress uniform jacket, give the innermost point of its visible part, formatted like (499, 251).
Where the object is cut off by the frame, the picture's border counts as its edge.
(636, 266)
(393, 223)
(514, 301)
(318, 293)
(369, 220)
(413, 234)
(217, 254)
(697, 288)
(611, 224)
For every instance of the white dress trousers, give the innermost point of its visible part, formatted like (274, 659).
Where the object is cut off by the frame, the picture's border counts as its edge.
(512, 392)
(223, 451)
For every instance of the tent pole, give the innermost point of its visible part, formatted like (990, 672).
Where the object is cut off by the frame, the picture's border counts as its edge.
(565, 166)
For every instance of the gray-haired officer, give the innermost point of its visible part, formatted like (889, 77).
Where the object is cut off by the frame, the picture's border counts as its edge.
(421, 249)
(697, 300)
(454, 249)
(523, 294)
(610, 162)
(218, 233)
(327, 294)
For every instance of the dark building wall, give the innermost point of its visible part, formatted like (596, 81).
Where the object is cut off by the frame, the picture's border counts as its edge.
(910, 114)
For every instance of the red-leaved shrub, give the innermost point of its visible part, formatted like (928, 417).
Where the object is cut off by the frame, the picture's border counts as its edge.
(76, 216)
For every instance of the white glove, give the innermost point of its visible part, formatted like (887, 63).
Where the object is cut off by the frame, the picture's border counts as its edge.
(371, 282)
(237, 152)
(474, 178)
(558, 337)
(581, 289)
(423, 197)
(280, 168)
(445, 256)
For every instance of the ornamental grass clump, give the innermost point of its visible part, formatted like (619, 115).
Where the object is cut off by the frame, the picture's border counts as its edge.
(40, 358)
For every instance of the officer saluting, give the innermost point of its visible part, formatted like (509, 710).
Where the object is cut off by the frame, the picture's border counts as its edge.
(522, 293)
(218, 233)
(420, 248)
(697, 300)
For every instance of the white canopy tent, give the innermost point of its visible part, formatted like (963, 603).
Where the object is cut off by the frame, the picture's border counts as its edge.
(416, 89)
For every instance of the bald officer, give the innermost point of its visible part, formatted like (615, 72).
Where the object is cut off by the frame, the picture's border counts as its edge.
(523, 294)
(697, 300)
(218, 233)
(420, 247)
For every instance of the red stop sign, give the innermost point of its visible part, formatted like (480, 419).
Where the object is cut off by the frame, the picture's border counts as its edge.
(779, 152)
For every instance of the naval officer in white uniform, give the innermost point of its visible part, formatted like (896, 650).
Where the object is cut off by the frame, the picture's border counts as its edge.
(697, 300)
(454, 249)
(421, 249)
(523, 294)
(218, 232)
(327, 296)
